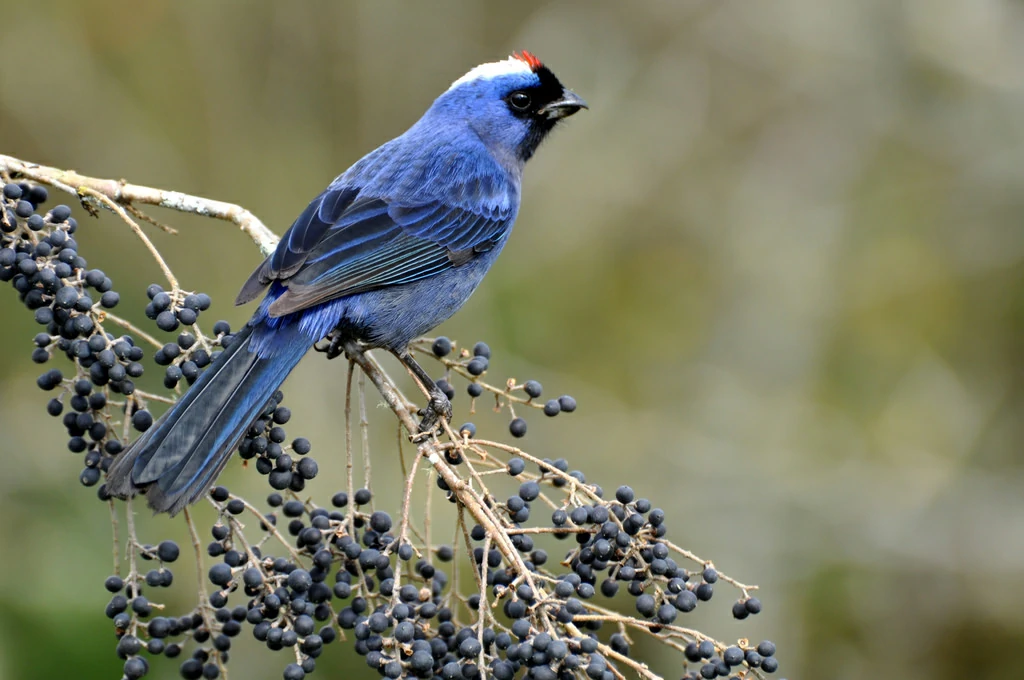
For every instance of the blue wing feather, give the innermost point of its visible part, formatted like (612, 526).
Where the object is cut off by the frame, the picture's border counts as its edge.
(309, 228)
(345, 243)
(359, 236)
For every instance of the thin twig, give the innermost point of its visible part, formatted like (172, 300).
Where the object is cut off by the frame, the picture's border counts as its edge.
(482, 607)
(117, 540)
(350, 486)
(722, 577)
(123, 214)
(105, 315)
(270, 527)
(364, 428)
(146, 218)
(460, 369)
(403, 531)
(640, 668)
(197, 546)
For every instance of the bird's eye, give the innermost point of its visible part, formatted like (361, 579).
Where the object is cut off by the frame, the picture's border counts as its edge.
(520, 100)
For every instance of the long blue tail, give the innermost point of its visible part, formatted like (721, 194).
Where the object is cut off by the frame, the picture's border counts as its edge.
(177, 459)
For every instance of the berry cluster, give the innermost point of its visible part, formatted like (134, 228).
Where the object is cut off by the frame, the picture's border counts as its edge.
(39, 257)
(547, 554)
(171, 311)
(128, 606)
(472, 365)
(265, 443)
(620, 543)
(100, 404)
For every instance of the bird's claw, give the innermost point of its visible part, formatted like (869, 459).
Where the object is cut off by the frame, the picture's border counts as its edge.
(437, 408)
(333, 346)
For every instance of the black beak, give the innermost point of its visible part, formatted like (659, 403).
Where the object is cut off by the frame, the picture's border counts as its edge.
(566, 105)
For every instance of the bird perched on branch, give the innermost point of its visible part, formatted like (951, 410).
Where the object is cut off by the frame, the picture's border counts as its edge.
(392, 248)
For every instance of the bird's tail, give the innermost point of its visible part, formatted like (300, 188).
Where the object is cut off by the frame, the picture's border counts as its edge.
(179, 457)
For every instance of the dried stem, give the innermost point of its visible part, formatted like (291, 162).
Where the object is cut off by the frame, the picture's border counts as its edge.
(403, 530)
(197, 546)
(117, 539)
(364, 428)
(270, 527)
(105, 315)
(113, 206)
(350, 484)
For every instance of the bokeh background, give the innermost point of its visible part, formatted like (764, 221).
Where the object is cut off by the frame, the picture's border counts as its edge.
(780, 264)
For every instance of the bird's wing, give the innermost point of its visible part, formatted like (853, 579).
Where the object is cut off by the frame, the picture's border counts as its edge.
(345, 243)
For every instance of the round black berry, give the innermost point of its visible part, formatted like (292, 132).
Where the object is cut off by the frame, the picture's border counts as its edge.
(533, 389)
(517, 427)
(168, 551)
(442, 347)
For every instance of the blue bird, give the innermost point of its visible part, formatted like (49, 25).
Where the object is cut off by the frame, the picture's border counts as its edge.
(392, 248)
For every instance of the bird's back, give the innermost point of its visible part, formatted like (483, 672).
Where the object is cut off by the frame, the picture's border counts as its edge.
(434, 160)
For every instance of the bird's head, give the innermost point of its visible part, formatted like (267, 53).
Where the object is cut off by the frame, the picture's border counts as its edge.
(511, 105)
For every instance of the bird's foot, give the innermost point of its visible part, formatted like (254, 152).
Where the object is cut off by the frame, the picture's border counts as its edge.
(437, 408)
(333, 345)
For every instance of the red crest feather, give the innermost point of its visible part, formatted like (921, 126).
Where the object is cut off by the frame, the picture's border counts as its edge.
(529, 59)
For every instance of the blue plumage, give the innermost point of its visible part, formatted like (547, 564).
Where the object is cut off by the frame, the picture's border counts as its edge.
(392, 248)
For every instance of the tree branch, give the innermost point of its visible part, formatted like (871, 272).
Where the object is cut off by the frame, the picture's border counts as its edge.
(126, 194)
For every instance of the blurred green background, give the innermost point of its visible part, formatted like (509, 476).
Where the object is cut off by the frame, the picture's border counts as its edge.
(780, 264)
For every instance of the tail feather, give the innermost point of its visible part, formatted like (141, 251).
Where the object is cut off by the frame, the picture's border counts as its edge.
(180, 456)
